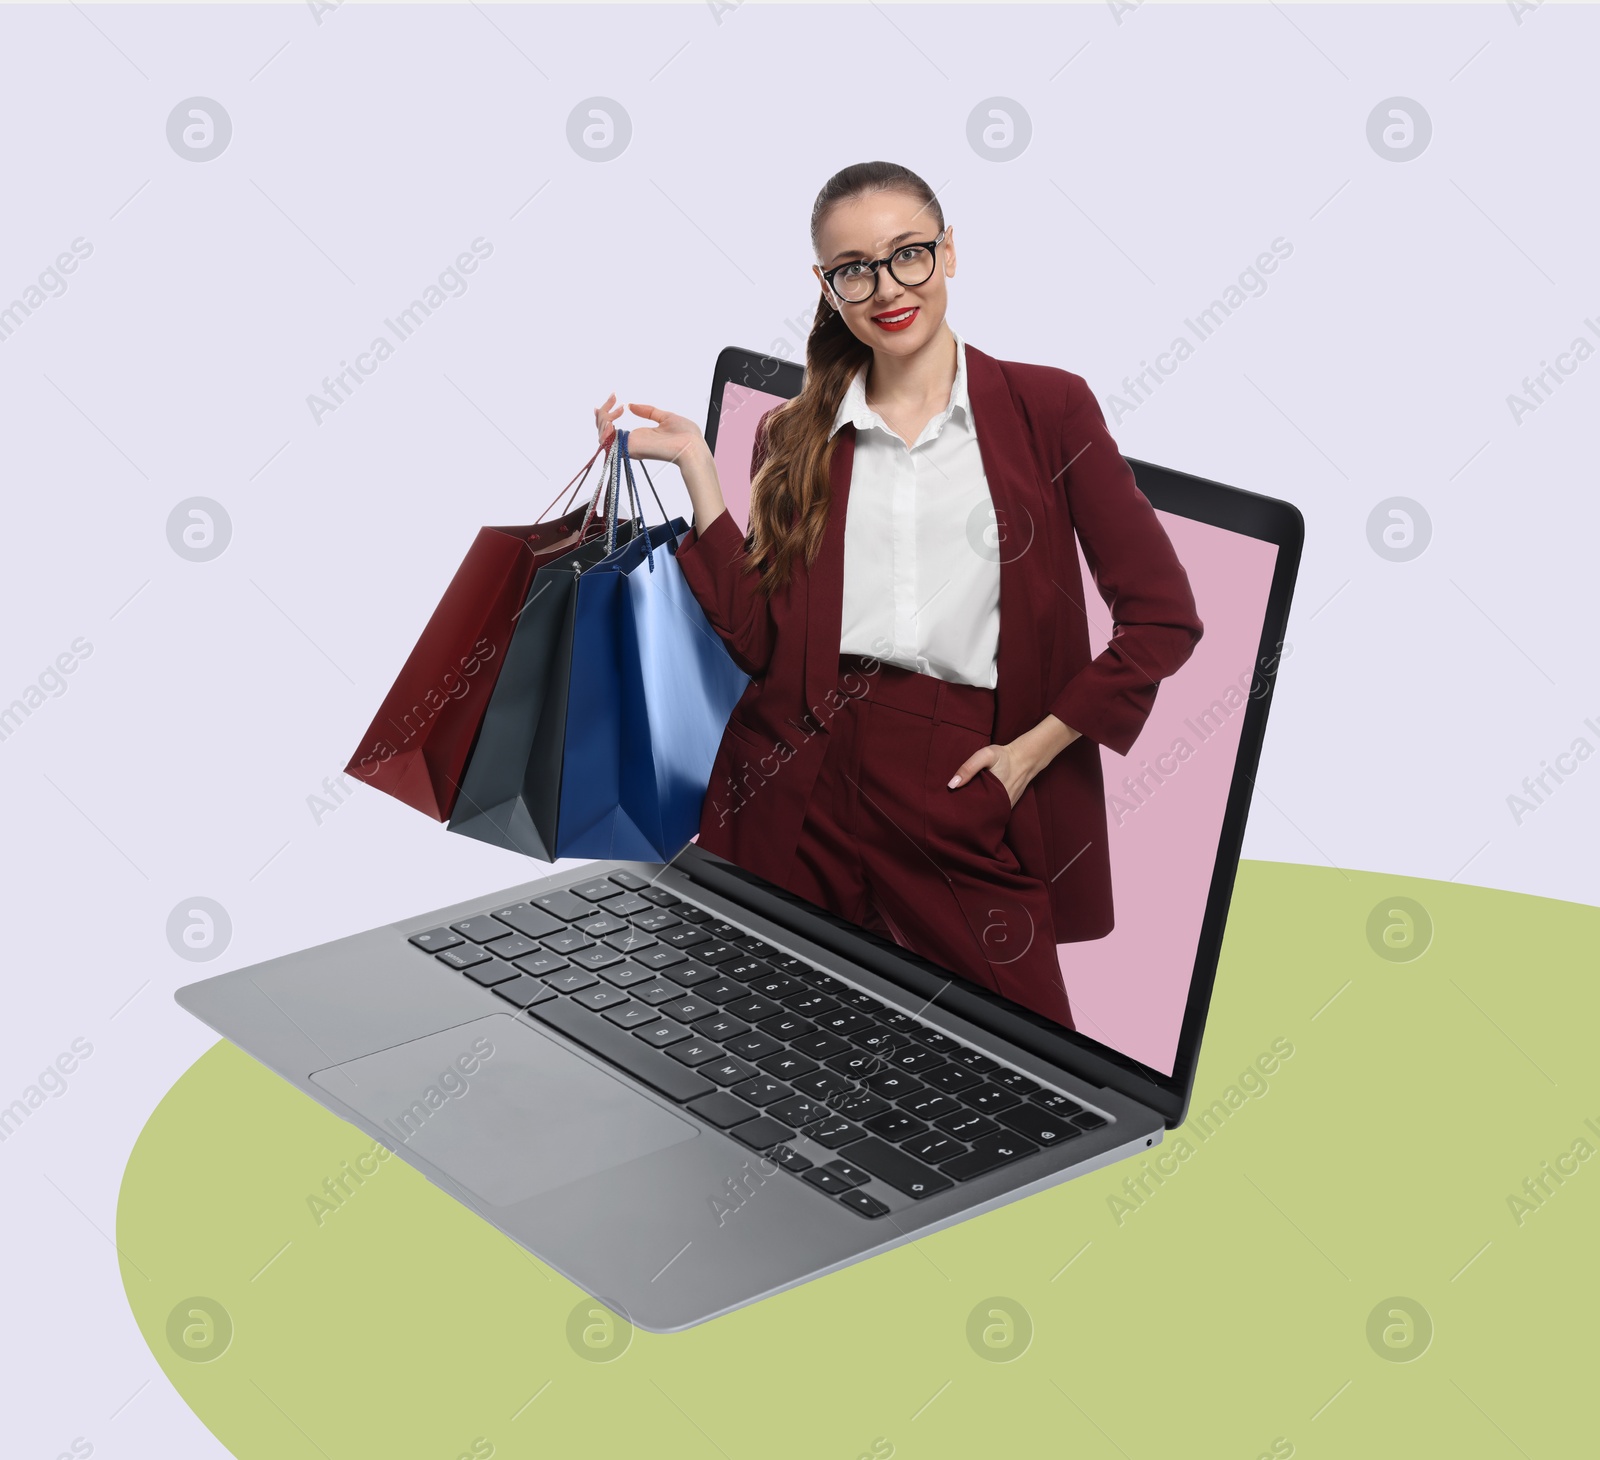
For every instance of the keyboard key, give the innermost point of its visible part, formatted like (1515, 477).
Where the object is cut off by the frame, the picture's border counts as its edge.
(822, 1084)
(899, 1022)
(952, 1078)
(727, 1071)
(524, 992)
(601, 925)
(774, 985)
(718, 1025)
(626, 975)
(845, 1021)
(1088, 1120)
(692, 914)
(529, 920)
(930, 1104)
(860, 999)
(797, 1110)
(693, 1052)
(787, 1065)
(568, 940)
(896, 1125)
(942, 1043)
(833, 1132)
(761, 1132)
(563, 905)
(628, 940)
(988, 1154)
(915, 1060)
(754, 1008)
(828, 1181)
(820, 980)
(786, 1026)
(853, 1174)
(859, 1104)
(658, 921)
(754, 1046)
(754, 946)
(1015, 1082)
(632, 881)
(596, 958)
(722, 1110)
(723, 991)
(515, 946)
(464, 957)
(892, 1083)
(726, 931)
(745, 969)
(1056, 1103)
(622, 1049)
(692, 974)
(687, 1009)
(717, 953)
(973, 1060)
(436, 940)
(661, 1033)
(629, 904)
(907, 1176)
(685, 936)
(879, 1040)
(601, 996)
(933, 1148)
(790, 1159)
(859, 1201)
(596, 891)
(856, 1065)
(659, 896)
(788, 963)
(631, 1016)
(657, 991)
(490, 973)
(570, 981)
(481, 929)
(1039, 1125)
(761, 1090)
(821, 1045)
(967, 1125)
(990, 1099)
(810, 1004)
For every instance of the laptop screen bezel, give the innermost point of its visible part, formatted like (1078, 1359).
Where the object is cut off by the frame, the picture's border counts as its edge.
(1265, 518)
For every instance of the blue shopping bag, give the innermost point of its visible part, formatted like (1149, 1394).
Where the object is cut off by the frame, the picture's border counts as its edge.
(651, 690)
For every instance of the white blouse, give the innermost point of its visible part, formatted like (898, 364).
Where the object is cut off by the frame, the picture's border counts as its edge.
(921, 577)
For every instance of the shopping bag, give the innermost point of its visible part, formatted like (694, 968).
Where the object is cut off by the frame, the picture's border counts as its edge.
(652, 687)
(420, 739)
(511, 788)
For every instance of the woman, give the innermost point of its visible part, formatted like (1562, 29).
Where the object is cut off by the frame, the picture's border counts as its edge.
(917, 750)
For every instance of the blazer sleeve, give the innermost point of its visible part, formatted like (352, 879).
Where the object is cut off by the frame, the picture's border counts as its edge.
(1155, 625)
(715, 564)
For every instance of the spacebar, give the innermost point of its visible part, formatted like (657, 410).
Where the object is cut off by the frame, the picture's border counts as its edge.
(620, 1048)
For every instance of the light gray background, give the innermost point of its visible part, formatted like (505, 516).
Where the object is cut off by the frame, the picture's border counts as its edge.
(1169, 147)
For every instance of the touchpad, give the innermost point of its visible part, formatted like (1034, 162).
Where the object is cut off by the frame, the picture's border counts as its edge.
(501, 1109)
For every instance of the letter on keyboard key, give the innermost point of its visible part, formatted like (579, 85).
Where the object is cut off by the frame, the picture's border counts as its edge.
(898, 1169)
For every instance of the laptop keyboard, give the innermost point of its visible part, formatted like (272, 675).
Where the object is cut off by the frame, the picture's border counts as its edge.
(758, 1043)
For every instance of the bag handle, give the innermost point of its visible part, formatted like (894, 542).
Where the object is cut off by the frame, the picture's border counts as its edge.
(576, 481)
(633, 495)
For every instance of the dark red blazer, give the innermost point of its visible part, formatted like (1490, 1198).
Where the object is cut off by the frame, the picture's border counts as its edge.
(1052, 469)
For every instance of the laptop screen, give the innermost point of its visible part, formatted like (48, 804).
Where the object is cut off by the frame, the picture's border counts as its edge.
(1167, 799)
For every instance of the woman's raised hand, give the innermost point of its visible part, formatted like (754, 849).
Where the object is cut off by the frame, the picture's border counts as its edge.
(669, 437)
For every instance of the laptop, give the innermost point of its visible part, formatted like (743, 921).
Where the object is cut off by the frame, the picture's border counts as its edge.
(687, 1089)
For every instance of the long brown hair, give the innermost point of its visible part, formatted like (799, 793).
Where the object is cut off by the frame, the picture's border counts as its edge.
(789, 492)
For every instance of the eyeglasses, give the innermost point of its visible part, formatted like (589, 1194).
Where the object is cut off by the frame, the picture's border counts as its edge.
(910, 264)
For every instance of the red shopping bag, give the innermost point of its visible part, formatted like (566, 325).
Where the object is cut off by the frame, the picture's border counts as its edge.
(417, 745)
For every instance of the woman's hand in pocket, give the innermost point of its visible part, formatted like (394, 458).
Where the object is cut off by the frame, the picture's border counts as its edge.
(1003, 762)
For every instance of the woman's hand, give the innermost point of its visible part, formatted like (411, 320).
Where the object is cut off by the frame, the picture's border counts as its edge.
(675, 439)
(1017, 762)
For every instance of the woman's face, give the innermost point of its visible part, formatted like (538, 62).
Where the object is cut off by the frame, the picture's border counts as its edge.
(898, 319)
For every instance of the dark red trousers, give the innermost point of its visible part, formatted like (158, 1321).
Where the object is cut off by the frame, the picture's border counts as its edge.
(887, 844)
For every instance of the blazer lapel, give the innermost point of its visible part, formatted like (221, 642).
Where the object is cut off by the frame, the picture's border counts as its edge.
(825, 583)
(1014, 488)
